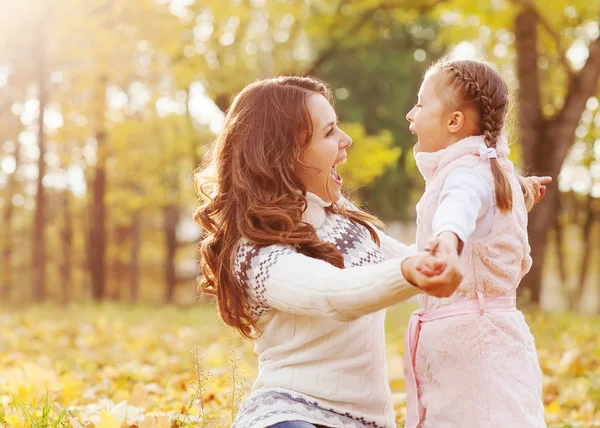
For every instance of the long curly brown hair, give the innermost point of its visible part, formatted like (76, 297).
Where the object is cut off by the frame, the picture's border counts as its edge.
(247, 188)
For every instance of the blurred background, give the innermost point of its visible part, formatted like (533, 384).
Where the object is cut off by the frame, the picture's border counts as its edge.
(107, 107)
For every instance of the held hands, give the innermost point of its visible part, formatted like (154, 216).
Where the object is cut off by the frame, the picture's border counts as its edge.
(435, 271)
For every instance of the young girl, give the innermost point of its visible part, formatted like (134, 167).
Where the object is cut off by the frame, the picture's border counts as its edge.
(470, 359)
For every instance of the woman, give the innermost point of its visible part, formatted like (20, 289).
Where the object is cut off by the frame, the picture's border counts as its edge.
(299, 269)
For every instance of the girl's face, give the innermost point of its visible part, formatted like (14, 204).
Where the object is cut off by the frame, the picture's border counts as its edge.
(326, 149)
(429, 119)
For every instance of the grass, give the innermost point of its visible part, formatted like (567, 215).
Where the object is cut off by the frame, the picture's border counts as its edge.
(116, 365)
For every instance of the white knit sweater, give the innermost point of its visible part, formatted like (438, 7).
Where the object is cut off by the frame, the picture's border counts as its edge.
(322, 353)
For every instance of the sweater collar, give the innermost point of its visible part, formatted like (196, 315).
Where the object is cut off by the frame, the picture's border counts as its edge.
(429, 163)
(315, 212)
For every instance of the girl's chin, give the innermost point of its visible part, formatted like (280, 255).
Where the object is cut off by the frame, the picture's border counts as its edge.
(417, 147)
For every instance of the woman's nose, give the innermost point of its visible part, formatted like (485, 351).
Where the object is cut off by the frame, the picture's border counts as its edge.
(409, 115)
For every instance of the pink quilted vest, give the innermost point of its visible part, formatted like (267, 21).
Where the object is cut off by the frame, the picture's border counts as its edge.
(496, 263)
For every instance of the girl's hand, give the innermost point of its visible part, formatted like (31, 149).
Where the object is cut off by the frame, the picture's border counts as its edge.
(445, 244)
(534, 189)
(539, 186)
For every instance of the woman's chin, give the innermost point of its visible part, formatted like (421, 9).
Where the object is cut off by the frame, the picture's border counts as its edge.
(335, 193)
(332, 194)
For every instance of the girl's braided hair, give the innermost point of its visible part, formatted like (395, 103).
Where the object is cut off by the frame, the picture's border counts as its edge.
(480, 86)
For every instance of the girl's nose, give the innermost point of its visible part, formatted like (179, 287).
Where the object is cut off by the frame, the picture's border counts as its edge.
(409, 115)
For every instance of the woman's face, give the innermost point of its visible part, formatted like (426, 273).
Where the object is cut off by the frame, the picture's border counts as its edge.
(326, 149)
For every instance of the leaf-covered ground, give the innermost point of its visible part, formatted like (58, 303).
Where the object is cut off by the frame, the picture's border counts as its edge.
(118, 366)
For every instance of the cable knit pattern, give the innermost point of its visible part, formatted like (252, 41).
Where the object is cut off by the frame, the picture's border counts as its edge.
(321, 354)
(478, 371)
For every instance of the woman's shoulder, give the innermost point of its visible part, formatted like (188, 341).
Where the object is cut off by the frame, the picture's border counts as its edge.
(251, 266)
(249, 257)
(247, 250)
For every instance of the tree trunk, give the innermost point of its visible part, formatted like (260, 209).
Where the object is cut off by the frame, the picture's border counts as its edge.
(171, 213)
(192, 130)
(119, 270)
(38, 270)
(97, 264)
(597, 273)
(67, 249)
(546, 142)
(7, 231)
(560, 249)
(577, 292)
(134, 263)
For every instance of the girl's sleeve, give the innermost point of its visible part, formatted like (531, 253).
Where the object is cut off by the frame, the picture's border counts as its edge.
(465, 198)
(277, 277)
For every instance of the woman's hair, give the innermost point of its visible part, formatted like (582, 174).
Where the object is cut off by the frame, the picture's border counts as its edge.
(247, 188)
(476, 84)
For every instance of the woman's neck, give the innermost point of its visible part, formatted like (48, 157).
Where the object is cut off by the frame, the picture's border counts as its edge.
(315, 213)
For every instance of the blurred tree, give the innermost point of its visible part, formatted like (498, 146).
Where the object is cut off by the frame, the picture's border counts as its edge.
(116, 36)
(370, 157)
(10, 127)
(28, 56)
(376, 85)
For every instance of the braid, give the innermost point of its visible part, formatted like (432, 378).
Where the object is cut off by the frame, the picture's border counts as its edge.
(491, 99)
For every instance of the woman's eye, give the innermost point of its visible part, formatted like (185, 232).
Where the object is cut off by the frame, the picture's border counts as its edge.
(329, 133)
(419, 106)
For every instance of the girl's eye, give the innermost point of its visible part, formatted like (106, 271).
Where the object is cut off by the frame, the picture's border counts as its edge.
(419, 106)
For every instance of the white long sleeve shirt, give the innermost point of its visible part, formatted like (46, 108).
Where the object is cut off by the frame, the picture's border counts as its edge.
(321, 354)
(467, 205)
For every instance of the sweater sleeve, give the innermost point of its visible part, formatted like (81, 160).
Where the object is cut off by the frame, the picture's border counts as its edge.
(393, 249)
(465, 198)
(277, 277)
(390, 247)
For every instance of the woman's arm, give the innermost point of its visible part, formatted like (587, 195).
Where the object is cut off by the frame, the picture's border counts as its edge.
(280, 278)
(392, 248)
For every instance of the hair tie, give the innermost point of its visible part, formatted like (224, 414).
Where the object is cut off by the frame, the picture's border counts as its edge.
(487, 152)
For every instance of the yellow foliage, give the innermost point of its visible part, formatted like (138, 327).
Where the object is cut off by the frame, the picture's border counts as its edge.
(139, 371)
(369, 156)
(107, 420)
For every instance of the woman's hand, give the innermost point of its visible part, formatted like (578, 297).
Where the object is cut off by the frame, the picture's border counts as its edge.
(437, 275)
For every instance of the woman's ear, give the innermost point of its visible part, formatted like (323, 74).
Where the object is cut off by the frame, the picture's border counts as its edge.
(455, 122)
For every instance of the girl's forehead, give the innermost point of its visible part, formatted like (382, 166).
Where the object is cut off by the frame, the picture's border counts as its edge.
(429, 83)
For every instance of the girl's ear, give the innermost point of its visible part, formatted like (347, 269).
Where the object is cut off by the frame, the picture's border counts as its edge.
(456, 121)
